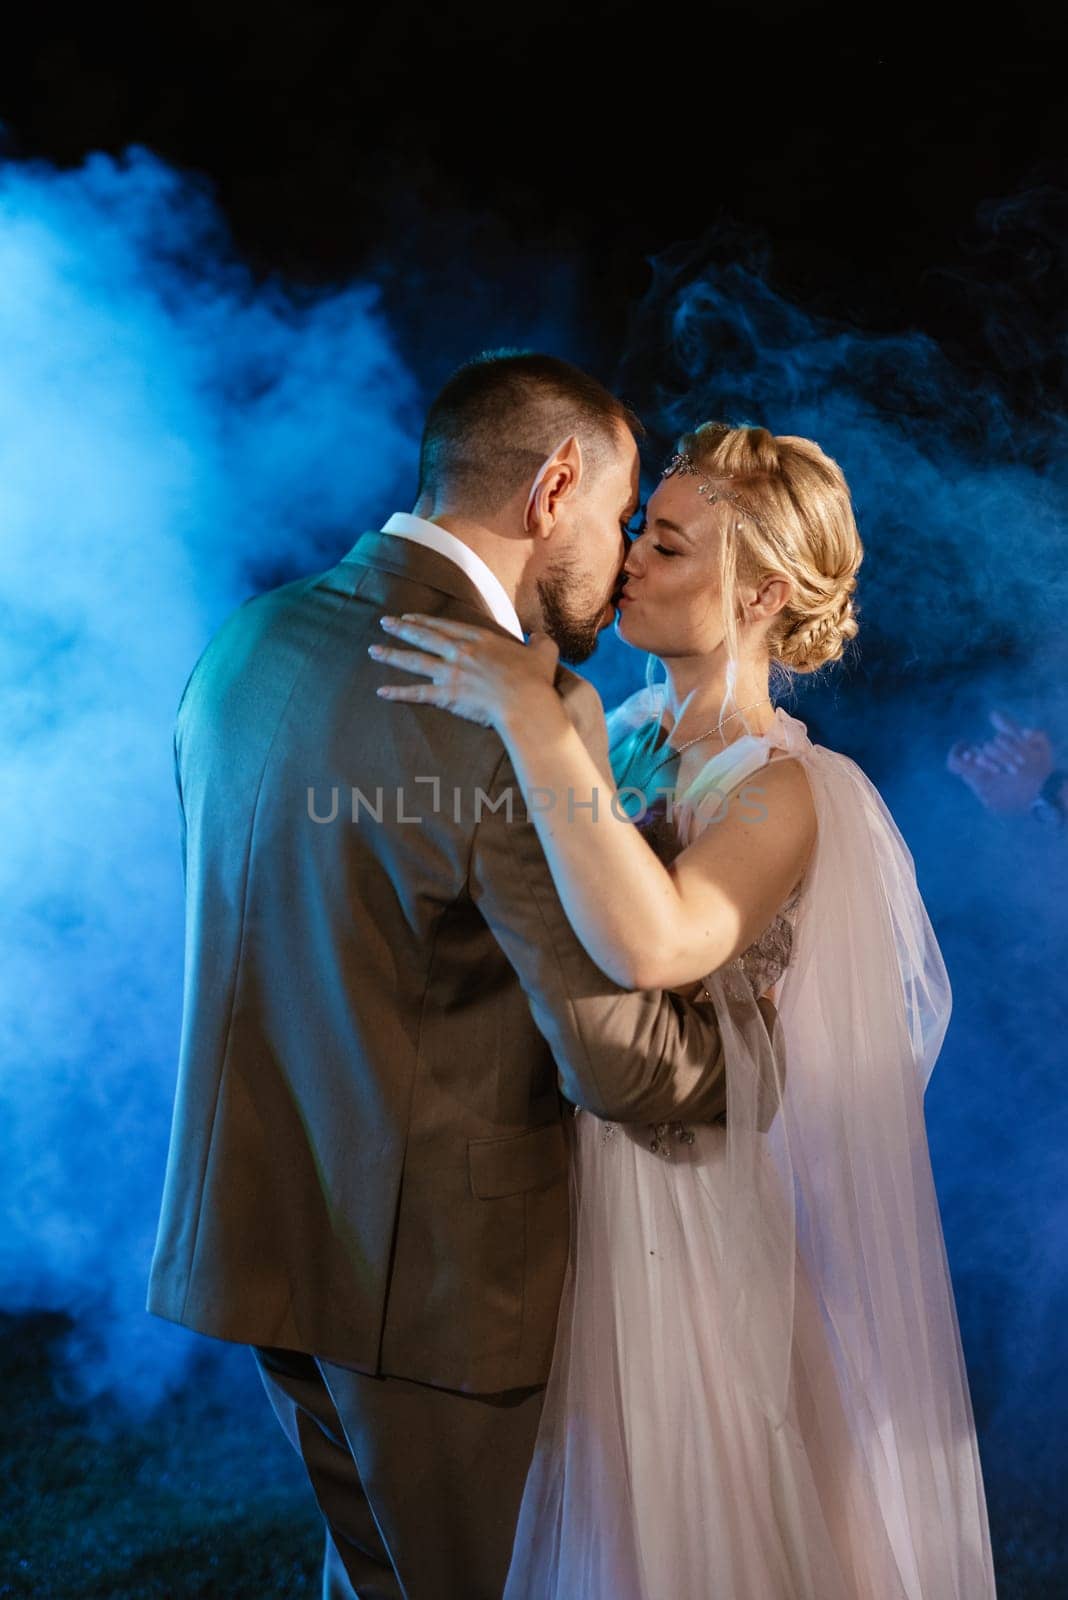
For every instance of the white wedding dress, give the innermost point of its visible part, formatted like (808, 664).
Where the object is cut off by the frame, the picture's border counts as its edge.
(757, 1390)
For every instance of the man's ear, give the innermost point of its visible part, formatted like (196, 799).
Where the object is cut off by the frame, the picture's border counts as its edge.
(558, 476)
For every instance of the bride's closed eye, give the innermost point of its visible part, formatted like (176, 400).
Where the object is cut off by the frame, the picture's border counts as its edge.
(634, 534)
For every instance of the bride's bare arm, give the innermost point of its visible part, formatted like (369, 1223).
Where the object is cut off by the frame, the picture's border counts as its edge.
(647, 925)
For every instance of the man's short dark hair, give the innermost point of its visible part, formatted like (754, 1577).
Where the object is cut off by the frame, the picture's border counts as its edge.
(499, 417)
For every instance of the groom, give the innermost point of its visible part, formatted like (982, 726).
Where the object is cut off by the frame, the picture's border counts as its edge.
(384, 1001)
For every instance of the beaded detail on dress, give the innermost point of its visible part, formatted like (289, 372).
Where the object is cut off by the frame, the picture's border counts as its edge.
(768, 957)
(752, 972)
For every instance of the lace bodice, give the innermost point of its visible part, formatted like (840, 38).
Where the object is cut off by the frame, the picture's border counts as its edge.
(768, 957)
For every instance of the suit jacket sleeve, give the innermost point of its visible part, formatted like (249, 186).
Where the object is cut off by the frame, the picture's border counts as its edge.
(629, 1055)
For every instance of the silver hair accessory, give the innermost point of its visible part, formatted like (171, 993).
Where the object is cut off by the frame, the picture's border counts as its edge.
(685, 466)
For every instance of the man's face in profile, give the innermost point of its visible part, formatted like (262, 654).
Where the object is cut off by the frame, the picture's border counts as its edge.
(577, 588)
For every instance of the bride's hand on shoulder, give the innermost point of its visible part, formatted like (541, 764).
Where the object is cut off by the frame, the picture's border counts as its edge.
(474, 673)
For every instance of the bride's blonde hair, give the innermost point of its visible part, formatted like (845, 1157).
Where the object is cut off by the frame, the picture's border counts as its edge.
(801, 527)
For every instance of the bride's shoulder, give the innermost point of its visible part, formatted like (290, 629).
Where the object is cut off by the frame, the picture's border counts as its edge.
(787, 792)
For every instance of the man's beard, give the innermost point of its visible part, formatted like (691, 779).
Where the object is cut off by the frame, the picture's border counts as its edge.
(575, 635)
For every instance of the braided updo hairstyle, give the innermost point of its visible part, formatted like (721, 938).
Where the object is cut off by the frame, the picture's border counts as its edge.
(804, 530)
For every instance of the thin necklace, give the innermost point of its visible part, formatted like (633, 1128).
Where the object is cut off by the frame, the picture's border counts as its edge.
(677, 751)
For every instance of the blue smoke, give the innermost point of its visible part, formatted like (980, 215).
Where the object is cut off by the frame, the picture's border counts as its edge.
(173, 436)
(176, 435)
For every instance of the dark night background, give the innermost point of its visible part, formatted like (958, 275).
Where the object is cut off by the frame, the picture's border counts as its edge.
(239, 249)
(547, 152)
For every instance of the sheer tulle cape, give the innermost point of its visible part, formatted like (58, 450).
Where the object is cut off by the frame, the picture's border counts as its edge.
(802, 1274)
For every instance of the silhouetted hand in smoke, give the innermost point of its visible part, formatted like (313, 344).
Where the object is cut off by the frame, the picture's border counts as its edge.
(1006, 773)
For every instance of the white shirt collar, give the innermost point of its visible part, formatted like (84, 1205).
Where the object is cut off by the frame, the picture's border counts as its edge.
(489, 586)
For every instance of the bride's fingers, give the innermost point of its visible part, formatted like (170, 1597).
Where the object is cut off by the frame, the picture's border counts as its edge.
(428, 638)
(407, 660)
(427, 694)
(462, 630)
(416, 624)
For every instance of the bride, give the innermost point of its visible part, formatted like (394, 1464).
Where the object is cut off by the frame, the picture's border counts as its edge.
(757, 1390)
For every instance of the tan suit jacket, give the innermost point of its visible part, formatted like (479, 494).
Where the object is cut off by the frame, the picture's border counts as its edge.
(367, 1159)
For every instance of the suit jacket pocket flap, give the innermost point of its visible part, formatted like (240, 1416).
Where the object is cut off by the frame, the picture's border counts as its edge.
(518, 1162)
